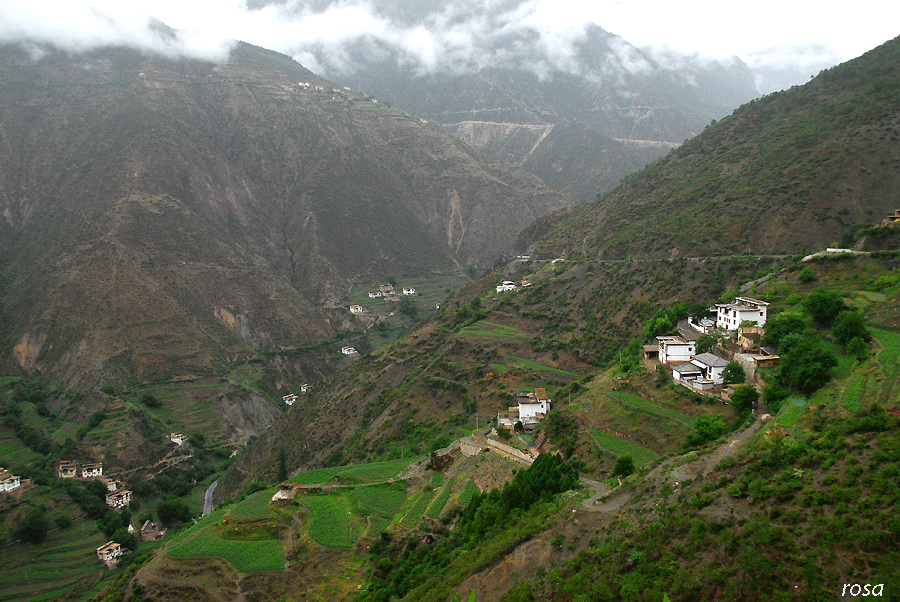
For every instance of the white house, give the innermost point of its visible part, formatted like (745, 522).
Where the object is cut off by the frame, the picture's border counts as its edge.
(532, 408)
(506, 285)
(118, 499)
(289, 399)
(304, 388)
(91, 471)
(711, 366)
(348, 350)
(409, 291)
(109, 551)
(675, 349)
(8, 481)
(177, 438)
(356, 309)
(374, 294)
(744, 309)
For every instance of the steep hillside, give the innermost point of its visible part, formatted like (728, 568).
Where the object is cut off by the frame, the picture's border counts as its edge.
(791, 171)
(164, 217)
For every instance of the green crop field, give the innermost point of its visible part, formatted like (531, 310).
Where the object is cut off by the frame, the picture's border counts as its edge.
(383, 500)
(363, 473)
(255, 506)
(316, 477)
(60, 565)
(642, 405)
(331, 524)
(484, 328)
(639, 453)
(511, 359)
(411, 518)
(246, 555)
(437, 506)
(468, 490)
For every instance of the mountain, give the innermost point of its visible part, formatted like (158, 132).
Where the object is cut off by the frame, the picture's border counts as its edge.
(164, 217)
(797, 169)
(789, 172)
(694, 521)
(622, 106)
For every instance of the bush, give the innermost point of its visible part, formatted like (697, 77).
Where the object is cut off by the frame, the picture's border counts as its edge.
(824, 305)
(624, 466)
(34, 528)
(849, 325)
(806, 275)
(707, 428)
(733, 374)
(744, 397)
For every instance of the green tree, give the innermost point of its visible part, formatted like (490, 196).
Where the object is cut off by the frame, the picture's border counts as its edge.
(707, 341)
(806, 275)
(858, 348)
(408, 307)
(33, 528)
(708, 427)
(624, 466)
(781, 325)
(807, 364)
(173, 510)
(744, 397)
(824, 305)
(849, 325)
(733, 374)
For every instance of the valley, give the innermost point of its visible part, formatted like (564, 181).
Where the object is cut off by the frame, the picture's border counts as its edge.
(188, 297)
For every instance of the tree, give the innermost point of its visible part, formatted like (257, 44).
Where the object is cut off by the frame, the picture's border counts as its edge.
(744, 397)
(849, 325)
(733, 374)
(624, 466)
(173, 510)
(707, 341)
(807, 365)
(858, 348)
(34, 528)
(408, 307)
(708, 427)
(781, 325)
(806, 275)
(824, 305)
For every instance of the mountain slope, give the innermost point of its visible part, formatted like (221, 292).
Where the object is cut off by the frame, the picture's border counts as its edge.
(788, 172)
(162, 216)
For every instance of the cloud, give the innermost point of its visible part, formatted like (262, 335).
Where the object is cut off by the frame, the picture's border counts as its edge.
(424, 35)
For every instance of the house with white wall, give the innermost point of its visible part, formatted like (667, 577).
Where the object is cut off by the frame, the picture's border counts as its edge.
(675, 349)
(356, 309)
(506, 285)
(9, 481)
(109, 552)
(729, 316)
(409, 291)
(531, 409)
(118, 499)
(92, 471)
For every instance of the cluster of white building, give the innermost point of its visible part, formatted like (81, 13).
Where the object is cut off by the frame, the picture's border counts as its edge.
(509, 285)
(530, 410)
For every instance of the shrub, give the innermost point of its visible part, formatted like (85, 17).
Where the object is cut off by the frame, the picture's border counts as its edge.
(806, 275)
(733, 374)
(624, 466)
(824, 305)
(849, 325)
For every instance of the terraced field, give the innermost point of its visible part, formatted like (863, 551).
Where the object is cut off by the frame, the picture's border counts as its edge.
(65, 562)
(639, 404)
(621, 447)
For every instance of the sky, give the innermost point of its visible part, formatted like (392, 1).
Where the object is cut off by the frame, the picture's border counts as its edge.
(435, 34)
